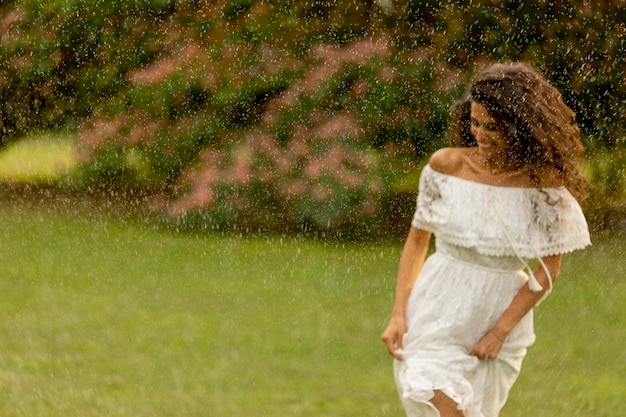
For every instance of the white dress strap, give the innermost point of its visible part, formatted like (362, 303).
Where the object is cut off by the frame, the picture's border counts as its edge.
(533, 284)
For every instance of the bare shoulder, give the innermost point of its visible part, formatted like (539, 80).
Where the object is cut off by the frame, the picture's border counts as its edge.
(447, 160)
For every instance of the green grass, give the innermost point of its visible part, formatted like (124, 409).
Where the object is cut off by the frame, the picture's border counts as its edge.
(104, 317)
(40, 158)
(577, 365)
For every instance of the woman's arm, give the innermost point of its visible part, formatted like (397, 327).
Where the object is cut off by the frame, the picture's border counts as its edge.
(411, 261)
(489, 346)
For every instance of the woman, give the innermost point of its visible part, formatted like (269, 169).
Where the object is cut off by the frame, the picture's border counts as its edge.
(462, 318)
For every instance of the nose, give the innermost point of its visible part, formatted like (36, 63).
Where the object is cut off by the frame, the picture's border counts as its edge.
(479, 134)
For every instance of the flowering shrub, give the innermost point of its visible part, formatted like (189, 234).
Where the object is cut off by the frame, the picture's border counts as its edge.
(311, 138)
(284, 114)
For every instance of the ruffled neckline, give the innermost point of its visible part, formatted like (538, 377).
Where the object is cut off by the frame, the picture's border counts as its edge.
(483, 184)
(538, 221)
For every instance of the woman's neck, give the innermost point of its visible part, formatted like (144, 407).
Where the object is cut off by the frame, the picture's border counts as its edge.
(496, 164)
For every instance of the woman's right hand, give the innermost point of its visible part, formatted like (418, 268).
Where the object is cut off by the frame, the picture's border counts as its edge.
(411, 261)
(392, 336)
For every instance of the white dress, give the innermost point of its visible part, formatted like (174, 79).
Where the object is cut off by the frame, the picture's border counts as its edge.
(484, 236)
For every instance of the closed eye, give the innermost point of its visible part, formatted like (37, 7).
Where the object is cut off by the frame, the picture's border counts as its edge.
(492, 127)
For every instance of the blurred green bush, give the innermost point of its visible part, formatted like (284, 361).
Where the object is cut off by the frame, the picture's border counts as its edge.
(289, 114)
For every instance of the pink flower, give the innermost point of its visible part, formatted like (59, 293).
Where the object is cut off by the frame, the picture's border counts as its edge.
(320, 192)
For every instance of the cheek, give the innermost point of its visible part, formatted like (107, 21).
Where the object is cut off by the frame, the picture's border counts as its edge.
(501, 141)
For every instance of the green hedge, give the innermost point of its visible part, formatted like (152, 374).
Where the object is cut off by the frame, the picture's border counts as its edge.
(313, 113)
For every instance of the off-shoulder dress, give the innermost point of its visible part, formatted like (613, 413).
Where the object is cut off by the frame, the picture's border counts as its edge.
(484, 237)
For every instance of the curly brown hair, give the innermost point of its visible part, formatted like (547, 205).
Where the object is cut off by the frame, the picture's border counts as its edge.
(541, 128)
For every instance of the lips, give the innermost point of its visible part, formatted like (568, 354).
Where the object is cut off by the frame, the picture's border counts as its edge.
(487, 148)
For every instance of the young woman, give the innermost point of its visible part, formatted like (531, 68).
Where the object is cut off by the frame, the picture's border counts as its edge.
(504, 195)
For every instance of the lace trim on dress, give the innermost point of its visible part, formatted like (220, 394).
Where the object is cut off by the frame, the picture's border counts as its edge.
(539, 222)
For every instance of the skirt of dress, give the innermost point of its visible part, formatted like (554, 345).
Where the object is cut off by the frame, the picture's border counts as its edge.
(456, 300)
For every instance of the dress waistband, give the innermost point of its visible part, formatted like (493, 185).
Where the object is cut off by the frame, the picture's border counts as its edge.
(474, 258)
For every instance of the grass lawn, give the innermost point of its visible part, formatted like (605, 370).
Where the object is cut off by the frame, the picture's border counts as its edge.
(39, 158)
(104, 317)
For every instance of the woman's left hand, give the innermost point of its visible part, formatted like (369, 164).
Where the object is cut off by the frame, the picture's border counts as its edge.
(488, 346)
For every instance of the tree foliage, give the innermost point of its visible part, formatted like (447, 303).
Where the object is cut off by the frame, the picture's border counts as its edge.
(312, 113)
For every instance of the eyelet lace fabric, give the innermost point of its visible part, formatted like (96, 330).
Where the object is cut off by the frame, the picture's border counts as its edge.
(540, 222)
(482, 232)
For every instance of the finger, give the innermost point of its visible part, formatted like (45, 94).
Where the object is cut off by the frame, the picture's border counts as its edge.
(388, 341)
(399, 343)
(397, 353)
(479, 353)
(392, 347)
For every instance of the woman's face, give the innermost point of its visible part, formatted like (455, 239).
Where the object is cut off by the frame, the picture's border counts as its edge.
(488, 133)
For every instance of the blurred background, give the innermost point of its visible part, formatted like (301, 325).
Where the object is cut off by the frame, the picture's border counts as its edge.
(310, 116)
(306, 125)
